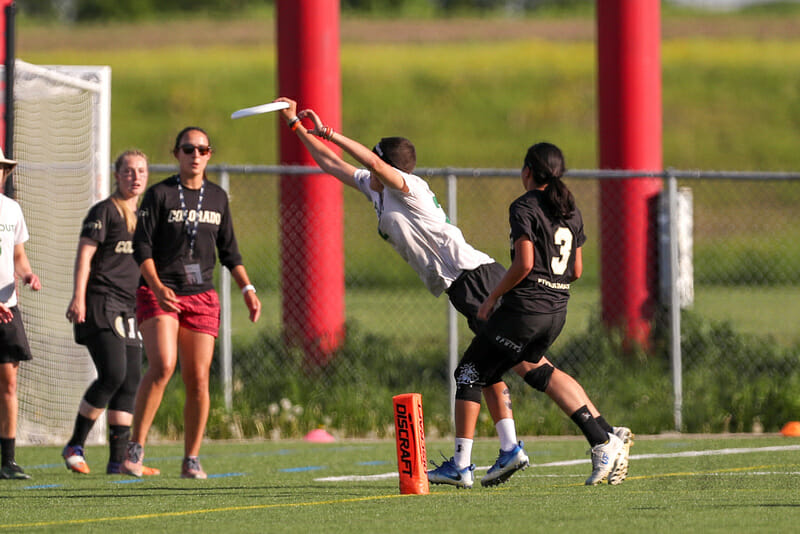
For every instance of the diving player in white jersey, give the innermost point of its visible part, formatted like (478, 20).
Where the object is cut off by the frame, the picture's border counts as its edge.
(412, 221)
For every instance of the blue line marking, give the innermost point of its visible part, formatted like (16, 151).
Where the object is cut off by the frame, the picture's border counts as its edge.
(43, 486)
(299, 469)
(374, 462)
(128, 481)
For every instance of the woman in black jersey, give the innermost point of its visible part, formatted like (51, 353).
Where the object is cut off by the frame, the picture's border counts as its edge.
(546, 257)
(102, 310)
(184, 222)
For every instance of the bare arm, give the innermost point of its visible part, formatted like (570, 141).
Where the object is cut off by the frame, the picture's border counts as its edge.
(239, 274)
(578, 263)
(381, 170)
(76, 311)
(327, 159)
(22, 268)
(519, 269)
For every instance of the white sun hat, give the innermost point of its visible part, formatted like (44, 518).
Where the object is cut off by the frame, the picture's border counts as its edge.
(7, 163)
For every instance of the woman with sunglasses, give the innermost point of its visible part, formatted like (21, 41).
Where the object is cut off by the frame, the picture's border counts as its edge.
(184, 222)
(102, 310)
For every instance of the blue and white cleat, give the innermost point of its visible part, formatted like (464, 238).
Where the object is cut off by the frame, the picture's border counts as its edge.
(508, 463)
(449, 473)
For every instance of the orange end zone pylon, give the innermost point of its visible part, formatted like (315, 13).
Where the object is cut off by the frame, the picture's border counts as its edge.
(412, 460)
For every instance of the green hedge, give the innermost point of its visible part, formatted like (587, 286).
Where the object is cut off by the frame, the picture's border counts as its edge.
(731, 382)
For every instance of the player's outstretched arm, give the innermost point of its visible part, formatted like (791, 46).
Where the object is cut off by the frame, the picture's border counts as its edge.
(381, 170)
(384, 172)
(327, 159)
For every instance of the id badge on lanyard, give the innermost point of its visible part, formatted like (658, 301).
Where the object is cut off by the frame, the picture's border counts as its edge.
(192, 271)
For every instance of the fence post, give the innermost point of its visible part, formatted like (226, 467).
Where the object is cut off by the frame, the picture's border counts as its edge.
(225, 346)
(674, 302)
(452, 314)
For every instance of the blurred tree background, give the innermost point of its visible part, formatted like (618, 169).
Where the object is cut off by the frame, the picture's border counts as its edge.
(79, 11)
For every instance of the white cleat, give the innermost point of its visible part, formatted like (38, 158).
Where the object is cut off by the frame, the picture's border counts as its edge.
(620, 470)
(604, 456)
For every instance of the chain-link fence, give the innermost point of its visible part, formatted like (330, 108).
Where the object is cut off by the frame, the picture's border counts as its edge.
(735, 367)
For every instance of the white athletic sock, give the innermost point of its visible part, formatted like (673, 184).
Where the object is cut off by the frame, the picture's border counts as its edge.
(507, 432)
(463, 455)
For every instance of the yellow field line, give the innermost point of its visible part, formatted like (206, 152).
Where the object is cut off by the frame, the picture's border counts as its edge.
(336, 501)
(692, 473)
(195, 512)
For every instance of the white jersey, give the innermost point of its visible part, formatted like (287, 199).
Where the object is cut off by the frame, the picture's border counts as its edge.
(12, 232)
(419, 230)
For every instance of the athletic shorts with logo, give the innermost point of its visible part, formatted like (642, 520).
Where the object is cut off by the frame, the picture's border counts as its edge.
(510, 338)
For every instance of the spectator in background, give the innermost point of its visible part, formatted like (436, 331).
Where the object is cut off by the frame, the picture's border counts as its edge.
(184, 221)
(14, 346)
(103, 311)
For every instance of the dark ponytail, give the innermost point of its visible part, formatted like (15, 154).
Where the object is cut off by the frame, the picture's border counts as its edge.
(547, 166)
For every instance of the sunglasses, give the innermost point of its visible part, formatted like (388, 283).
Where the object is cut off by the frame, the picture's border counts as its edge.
(189, 149)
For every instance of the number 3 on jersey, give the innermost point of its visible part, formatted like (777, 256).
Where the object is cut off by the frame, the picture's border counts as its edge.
(563, 241)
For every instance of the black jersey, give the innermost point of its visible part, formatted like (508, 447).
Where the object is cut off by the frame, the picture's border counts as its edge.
(163, 234)
(113, 272)
(546, 288)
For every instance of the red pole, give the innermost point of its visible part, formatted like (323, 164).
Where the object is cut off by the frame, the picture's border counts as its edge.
(312, 215)
(629, 97)
(3, 32)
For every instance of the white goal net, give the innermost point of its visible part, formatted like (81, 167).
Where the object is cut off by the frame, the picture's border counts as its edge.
(61, 141)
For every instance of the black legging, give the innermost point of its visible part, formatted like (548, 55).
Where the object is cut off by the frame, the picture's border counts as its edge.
(119, 368)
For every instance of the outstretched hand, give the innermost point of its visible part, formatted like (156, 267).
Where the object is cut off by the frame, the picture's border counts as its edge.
(6, 315)
(290, 112)
(319, 128)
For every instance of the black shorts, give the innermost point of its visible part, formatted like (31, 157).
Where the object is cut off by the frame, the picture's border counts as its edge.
(102, 314)
(469, 290)
(510, 338)
(13, 341)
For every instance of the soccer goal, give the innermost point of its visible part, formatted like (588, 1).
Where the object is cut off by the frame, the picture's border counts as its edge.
(61, 141)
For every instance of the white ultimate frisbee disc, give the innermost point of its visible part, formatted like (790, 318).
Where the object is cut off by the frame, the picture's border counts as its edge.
(256, 110)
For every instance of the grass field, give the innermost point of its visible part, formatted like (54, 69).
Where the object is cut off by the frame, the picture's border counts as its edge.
(726, 483)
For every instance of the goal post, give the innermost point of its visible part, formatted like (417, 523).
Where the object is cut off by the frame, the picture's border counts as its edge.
(62, 143)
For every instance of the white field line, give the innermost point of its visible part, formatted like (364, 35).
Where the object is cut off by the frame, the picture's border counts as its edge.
(684, 454)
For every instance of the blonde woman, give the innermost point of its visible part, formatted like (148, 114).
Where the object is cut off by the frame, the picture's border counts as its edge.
(103, 312)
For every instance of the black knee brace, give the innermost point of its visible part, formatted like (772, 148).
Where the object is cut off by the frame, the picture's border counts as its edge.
(539, 378)
(468, 384)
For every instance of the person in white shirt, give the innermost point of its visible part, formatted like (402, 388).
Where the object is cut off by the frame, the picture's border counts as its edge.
(14, 346)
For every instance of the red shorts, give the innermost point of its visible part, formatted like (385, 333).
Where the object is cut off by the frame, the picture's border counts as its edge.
(199, 313)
